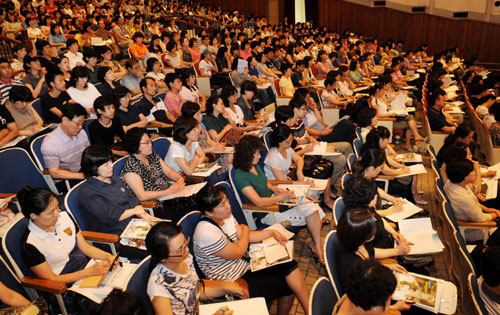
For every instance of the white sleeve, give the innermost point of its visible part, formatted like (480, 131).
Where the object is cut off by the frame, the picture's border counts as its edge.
(209, 237)
(175, 150)
(155, 286)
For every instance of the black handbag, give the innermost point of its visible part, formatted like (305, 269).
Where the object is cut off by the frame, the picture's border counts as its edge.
(317, 167)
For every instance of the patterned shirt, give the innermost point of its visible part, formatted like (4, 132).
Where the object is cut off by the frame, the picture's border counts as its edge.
(152, 177)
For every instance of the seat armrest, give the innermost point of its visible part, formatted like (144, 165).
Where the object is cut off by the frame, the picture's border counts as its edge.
(485, 224)
(387, 261)
(8, 195)
(272, 208)
(100, 237)
(438, 132)
(275, 182)
(149, 204)
(385, 177)
(283, 96)
(50, 286)
(386, 119)
(153, 125)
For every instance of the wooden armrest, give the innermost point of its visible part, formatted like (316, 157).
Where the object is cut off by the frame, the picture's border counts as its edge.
(203, 76)
(46, 125)
(149, 204)
(275, 182)
(385, 177)
(272, 208)
(196, 179)
(438, 132)
(387, 261)
(153, 125)
(331, 106)
(100, 237)
(386, 119)
(283, 96)
(485, 224)
(252, 121)
(8, 195)
(496, 147)
(50, 286)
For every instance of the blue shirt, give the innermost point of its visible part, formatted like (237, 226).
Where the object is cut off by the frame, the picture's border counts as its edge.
(103, 204)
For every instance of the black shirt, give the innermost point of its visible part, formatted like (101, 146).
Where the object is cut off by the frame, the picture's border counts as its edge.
(49, 65)
(5, 117)
(437, 120)
(105, 136)
(346, 260)
(47, 102)
(129, 117)
(105, 89)
(215, 123)
(146, 108)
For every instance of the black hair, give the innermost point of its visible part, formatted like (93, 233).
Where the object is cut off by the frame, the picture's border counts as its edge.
(280, 134)
(285, 66)
(137, 35)
(355, 227)
(373, 138)
(132, 140)
(210, 104)
(490, 266)
(353, 65)
(248, 86)
(226, 92)
(457, 170)
(455, 151)
(170, 45)
(331, 79)
(150, 63)
(365, 116)
(93, 157)
(101, 73)
(20, 93)
(369, 284)
(157, 241)
(359, 192)
(39, 44)
(462, 131)
(144, 83)
(72, 110)
(170, 78)
(118, 93)
(89, 53)
(121, 303)
(77, 73)
(70, 42)
(372, 157)
(130, 63)
(282, 114)
(101, 102)
(301, 93)
(297, 103)
(434, 96)
(34, 200)
(209, 197)
(182, 126)
(245, 150)
(50, 76)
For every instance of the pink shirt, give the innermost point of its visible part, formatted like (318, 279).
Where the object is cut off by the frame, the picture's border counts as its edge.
(245, 54)
(173, 102)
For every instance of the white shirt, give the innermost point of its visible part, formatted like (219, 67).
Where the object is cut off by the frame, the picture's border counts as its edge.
(236, 116)
(344, 89)
(157, 76)
(190, 95)
(75, 60)
(207, 67)
(176, 150)
(327, 94)
(277, 161)
(84, 98)
(382, 106)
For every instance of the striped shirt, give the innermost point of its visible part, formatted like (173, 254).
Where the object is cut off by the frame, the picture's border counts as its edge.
(61, 151)
(208, 239)
(490, 299)
(5, 88)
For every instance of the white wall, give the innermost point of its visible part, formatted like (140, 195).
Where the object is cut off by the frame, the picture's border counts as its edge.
(478, 6)
(300, 11)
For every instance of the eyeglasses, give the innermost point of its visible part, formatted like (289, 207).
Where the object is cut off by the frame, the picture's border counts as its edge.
(182, 250)
(146, 142)
(79, 124)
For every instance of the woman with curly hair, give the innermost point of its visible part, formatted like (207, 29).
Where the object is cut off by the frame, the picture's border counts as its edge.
(252, 182)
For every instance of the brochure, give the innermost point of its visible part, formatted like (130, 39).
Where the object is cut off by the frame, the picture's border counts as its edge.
(206, 169)
(424, 291)
(420, 232)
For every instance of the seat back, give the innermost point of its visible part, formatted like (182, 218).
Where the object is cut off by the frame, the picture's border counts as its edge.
(189, 222)
(358, 134)
(338, 209)
(345, 178)
(466, 261)
(161, 95)
(450, 215)
(37, 106)
(357, 145)
(160, 146)
(237, 193)
(73, 207)
(267, 140)
(11, 244)
(118, 165)
(432, 152)
(322, 299)
(440, 189)
(138, 282)
(350, 161)
(196, 67)
(331, 252)
(36, 150)
(436, 168)
(17, 170)
(319, 92)
(276, 87)
(475, 295)
(86, 125)
(235, 205)
(8, 278)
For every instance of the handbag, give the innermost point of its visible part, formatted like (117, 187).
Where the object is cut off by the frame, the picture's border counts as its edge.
(317, 167)
(232, 137)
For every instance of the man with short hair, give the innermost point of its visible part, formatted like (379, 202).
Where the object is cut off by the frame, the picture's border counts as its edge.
(133, 77)
(74, 56)
(437, 119)
(62, 148)
(122, 34)
(173, 100)
(54, 101)
(90, 57)
(153, 107)
(35, 76)
(6, 80)
(489, 282)
(104, 129)
(8, 126)
(44, 50)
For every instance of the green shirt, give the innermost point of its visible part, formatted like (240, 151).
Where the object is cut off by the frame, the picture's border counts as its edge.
(215, 123)
(296, 77)
(243, 179)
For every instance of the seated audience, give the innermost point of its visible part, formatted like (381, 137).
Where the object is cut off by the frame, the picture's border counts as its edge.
(133, 77)
(437, 119)
(107, 61)
(173, 282)
(153, 70)
(220, 246)
(56, 99)
(127, 115)
(6, 80)
(148, 177)
(107, 206)
(185, 154)
(27, 119)
(105, 128)
(190, 92)
(62, 148)
(74, 56)
(107, 80)
(35, 76)
(81, 90)
(173, 100)
(489, 282)
(253, 183)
